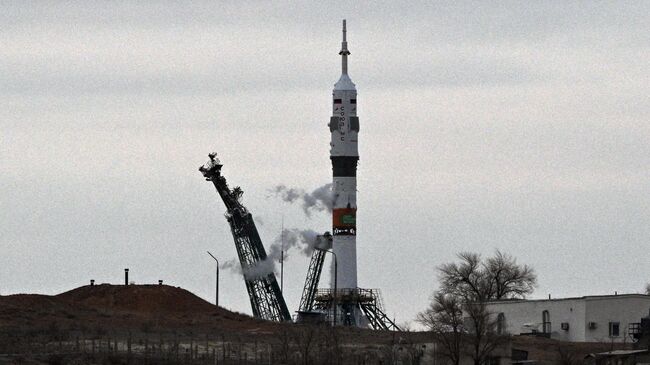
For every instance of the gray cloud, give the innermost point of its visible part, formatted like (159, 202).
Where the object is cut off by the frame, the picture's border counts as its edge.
(519, 126)
(496, 45)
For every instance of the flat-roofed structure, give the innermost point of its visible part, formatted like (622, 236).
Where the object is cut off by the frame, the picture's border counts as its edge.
(597, 318)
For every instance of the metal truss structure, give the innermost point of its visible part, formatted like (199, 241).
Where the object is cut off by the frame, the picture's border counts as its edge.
(314, 272)
(311, 282)
(264, 292)
(367, 300)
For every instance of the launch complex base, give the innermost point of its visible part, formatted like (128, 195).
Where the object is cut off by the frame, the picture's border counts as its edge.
(347, 307)
(352, 307)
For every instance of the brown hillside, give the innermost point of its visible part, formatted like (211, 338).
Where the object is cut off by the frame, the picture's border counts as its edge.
(122, 308)
(151, 299)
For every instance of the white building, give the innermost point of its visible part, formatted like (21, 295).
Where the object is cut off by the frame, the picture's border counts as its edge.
(601, 318)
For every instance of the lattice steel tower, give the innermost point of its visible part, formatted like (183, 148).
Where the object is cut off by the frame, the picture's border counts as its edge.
(264, 292)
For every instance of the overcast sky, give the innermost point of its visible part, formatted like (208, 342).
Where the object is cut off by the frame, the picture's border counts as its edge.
(519, 126)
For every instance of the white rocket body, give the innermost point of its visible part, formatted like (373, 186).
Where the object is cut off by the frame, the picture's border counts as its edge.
(344, 153)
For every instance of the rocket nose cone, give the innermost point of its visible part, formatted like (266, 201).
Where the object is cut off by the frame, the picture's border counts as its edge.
(345, 83)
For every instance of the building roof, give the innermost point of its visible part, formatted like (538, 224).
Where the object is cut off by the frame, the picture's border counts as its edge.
(586, 297)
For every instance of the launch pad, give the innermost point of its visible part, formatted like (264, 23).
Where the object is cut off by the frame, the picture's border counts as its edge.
(348, 307)
(344, 303)
(350, 301)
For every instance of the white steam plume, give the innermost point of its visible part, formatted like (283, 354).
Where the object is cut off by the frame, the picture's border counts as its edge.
(321, 199)
(304, 241)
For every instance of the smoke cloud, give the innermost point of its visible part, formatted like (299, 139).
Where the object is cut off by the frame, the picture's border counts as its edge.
(321, 199)
(304, 241)
(259, 269)
(232, 265)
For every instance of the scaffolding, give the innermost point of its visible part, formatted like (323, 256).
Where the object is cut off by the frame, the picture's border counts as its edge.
(311, 282)
(339, 305)
(264, 292)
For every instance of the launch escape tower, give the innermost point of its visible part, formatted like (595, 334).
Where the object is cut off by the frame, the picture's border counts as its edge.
(265, 296)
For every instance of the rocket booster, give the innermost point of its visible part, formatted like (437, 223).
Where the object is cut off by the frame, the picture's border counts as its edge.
(344, 153)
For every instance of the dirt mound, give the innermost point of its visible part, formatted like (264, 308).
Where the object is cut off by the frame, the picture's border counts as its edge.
(11, 305)
(27, 309)
(114, 308)
(34, 301)
(152, 299)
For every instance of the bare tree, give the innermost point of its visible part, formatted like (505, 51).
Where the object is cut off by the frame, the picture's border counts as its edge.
(305, 338)
(507, 278)
(444, 318)
(498, 277)
(482, 337)
(467, 286)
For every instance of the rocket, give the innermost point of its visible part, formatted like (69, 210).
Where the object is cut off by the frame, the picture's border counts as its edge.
(344, 153)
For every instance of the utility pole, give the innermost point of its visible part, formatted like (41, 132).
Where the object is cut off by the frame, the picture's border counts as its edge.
(282, 256)
(216, 300)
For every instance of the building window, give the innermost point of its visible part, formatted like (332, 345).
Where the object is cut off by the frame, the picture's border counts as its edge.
(614, 329)
(501, 324)
(546, 322)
